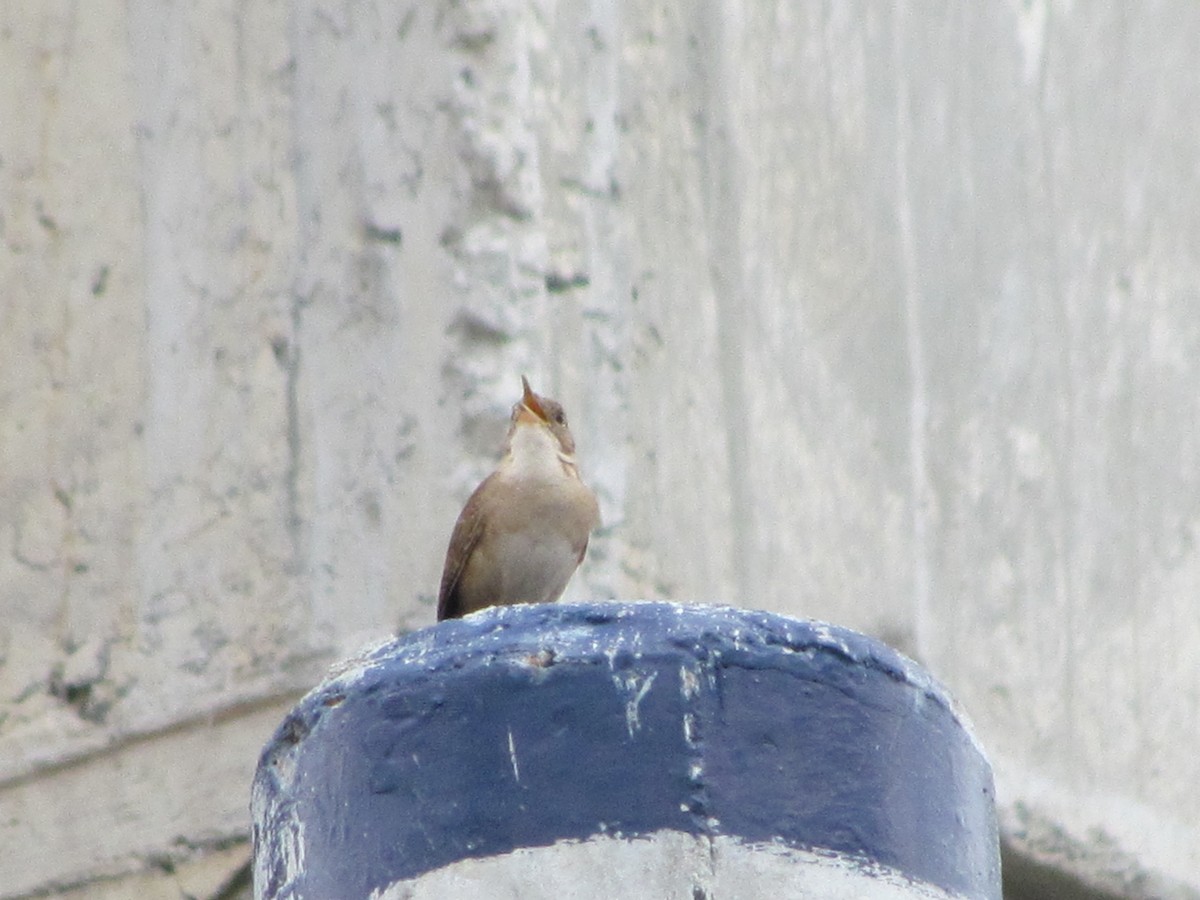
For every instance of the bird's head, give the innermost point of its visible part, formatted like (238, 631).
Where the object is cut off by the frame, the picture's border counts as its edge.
(533, 411)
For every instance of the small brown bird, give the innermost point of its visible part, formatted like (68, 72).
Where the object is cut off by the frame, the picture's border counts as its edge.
(525, 530)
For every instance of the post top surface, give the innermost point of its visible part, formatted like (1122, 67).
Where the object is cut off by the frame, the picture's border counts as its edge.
(527, 726)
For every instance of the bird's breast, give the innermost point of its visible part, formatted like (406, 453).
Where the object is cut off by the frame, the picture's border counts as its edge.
(556, 504)
(534, 539)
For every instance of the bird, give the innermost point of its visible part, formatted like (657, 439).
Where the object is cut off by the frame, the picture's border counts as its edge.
(525, 529)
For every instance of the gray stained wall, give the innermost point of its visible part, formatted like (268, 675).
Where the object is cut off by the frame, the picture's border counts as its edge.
(886, 314)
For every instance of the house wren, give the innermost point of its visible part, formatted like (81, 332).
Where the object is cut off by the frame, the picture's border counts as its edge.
(525, 529)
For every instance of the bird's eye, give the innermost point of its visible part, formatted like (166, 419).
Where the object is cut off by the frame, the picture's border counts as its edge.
(560, 417)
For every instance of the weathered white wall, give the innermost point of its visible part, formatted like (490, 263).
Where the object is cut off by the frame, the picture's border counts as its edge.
(885, 314)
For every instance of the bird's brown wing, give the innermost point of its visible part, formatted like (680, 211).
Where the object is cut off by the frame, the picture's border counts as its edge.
(467, 532)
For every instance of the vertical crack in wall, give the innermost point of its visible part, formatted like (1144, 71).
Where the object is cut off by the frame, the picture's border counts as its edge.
(287, 352)
(722, 164)
(919, 487)
(1066, 521)
(603, 349)
(304, 114)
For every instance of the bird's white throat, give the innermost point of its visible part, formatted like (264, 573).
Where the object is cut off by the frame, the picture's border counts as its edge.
(534, 452)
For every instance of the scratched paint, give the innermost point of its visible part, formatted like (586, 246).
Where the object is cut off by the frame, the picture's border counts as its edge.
(526, 727)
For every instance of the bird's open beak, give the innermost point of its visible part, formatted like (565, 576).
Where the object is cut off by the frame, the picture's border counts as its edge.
(530, 401)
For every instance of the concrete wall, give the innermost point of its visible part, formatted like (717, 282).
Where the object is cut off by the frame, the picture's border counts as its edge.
(885, 314)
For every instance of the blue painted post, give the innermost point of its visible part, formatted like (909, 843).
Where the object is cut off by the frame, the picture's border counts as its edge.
(633, 750)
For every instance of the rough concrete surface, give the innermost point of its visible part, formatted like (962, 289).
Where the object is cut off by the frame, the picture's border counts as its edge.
(883, 314)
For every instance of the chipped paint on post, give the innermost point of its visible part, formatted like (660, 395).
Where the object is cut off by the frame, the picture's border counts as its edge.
(626, 749)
